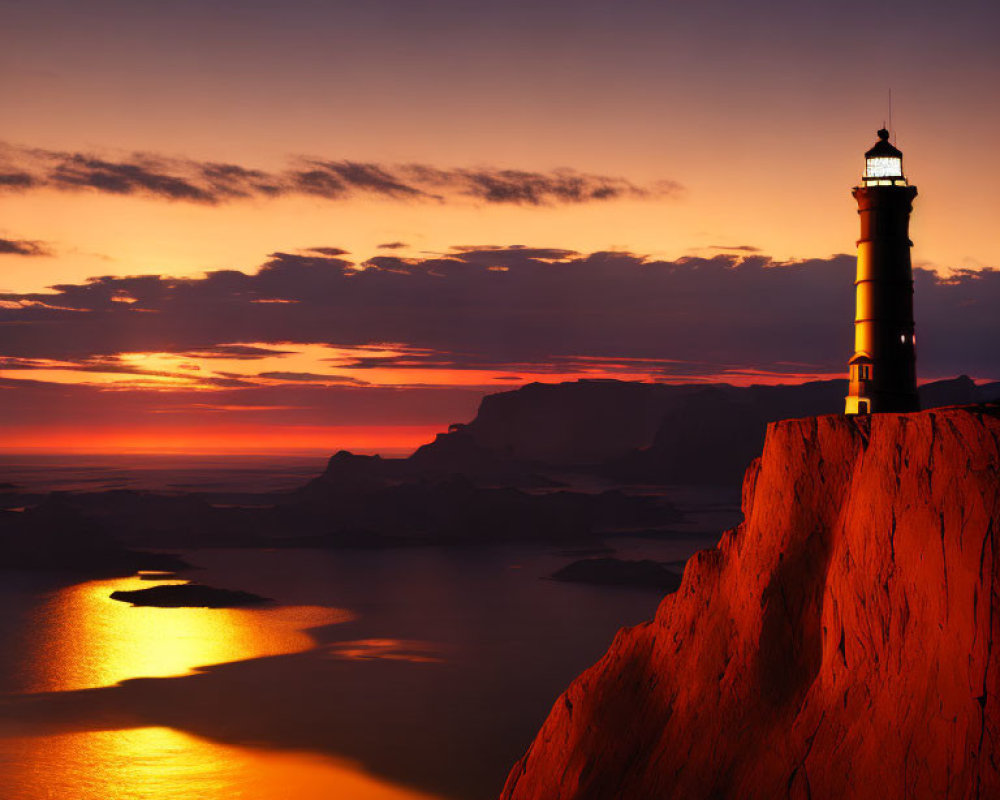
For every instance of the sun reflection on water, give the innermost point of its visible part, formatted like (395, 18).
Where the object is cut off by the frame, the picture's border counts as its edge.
(88, 640)
(83, 639)
(163, 764)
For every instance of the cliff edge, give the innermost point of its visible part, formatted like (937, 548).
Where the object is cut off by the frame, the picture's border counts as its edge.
(839, 643)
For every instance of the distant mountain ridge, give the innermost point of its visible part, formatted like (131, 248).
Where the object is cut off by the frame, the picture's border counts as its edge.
(554, 462)
(644, 432)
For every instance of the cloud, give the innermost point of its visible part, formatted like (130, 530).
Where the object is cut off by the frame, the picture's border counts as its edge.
(23, 247)
(77, 171)
(511, 309)
(737, 248)
(16, 180)
(329, 251)
(311, 377)
(392, 246)
(23, 363)
(535, 188)
(368, 177)
(238, 351)
(212, 183)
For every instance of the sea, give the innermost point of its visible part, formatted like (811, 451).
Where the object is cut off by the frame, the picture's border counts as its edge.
(419, 672)
(46, 472)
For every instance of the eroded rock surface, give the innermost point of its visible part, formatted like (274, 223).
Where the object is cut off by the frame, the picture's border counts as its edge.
(839, 643)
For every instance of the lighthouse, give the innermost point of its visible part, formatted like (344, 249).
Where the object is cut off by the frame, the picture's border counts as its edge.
(883, 371)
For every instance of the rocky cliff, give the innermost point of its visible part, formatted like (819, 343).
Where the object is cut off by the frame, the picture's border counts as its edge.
(839, 643)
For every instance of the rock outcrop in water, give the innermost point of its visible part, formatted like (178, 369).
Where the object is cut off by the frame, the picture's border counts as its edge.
(839, 643)
(189, 595)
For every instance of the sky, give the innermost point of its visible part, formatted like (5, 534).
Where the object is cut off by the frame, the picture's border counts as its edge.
(283, 226)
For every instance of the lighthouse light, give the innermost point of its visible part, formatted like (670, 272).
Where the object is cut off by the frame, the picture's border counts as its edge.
(884, 167)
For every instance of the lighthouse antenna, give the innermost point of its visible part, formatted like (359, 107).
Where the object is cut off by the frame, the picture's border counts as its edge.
(891, 129)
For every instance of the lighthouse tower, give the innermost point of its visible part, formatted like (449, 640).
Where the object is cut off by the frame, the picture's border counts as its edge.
(883, 371)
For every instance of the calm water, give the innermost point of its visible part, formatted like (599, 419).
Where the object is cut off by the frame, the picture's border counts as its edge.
(35, 472)
(418, 673)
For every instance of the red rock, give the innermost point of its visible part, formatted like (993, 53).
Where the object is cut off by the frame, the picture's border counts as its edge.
(839, 643)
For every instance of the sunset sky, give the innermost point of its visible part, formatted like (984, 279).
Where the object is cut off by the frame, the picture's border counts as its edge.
(281, 226)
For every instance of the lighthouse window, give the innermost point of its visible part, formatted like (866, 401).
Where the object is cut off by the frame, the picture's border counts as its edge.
(884, 167)
(902, 338)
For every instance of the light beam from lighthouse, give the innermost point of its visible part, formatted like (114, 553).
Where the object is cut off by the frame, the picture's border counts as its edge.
(883, 372)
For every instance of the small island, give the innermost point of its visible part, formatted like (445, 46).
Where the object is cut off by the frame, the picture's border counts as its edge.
(189, 595)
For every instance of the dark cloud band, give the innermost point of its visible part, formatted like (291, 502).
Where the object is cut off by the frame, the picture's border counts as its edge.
(214, 183)
(510, 309)
(23, 247)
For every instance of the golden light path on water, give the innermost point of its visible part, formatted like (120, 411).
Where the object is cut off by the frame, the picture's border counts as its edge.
(163, 764)
(87, 640)
(90, 640)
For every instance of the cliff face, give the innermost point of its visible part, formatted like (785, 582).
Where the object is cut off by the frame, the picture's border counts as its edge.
(838, 643)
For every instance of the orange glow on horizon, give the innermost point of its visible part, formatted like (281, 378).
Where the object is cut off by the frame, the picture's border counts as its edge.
(311, 364)
(295, 363)
(219, 440)
(196, 430)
